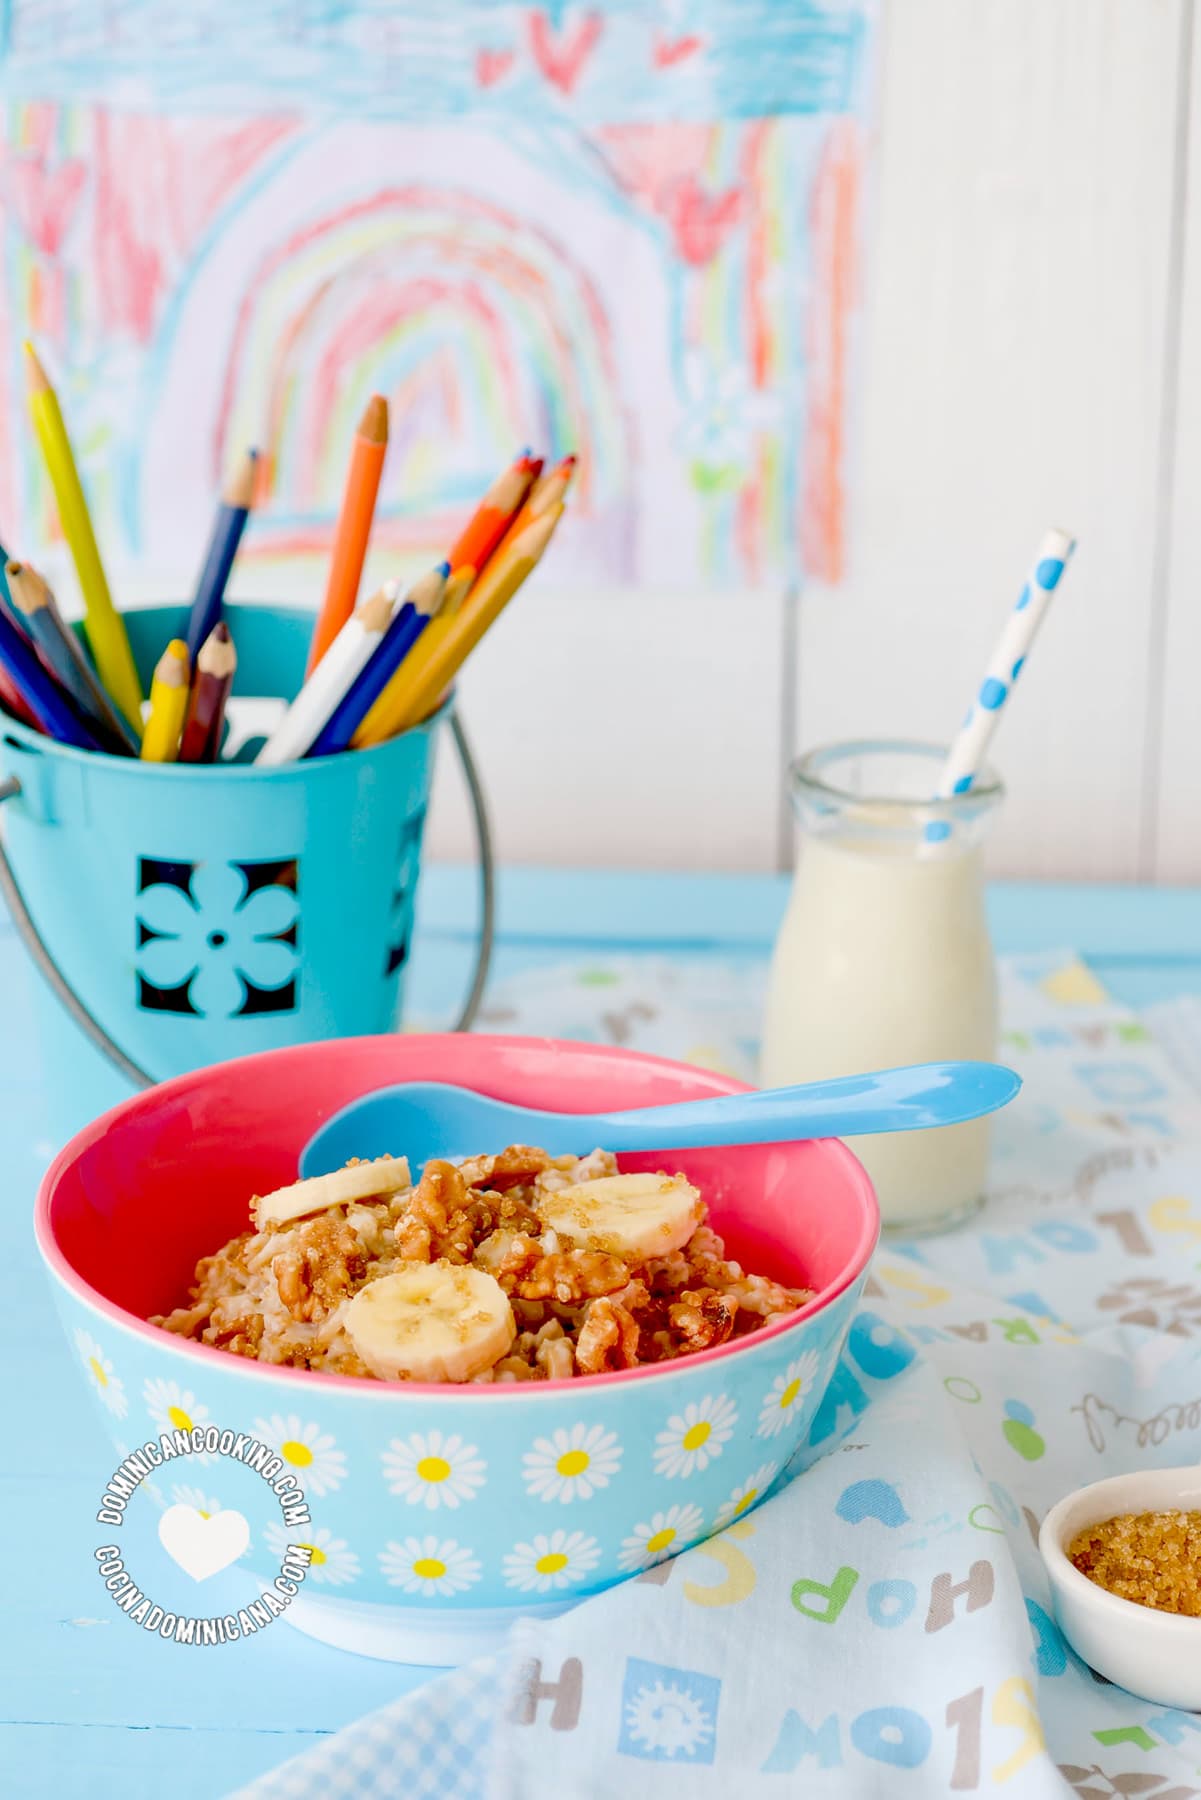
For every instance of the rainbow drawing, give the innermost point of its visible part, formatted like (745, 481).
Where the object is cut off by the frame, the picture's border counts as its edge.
(662, 278)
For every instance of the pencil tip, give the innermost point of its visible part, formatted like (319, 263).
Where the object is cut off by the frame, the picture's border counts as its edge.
(374, 423)
(37, 374)
(221, 632)
(444, 570)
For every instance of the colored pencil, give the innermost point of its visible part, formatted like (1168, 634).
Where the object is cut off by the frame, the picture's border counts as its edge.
(232, 514)
(331, 680)
(408, 623)
(431, 674)
(354, 527)
(548, 489)
(106, 634)
(63, 655)
(383, 719)
(495, 513)
(59, 716)
(10, 695)
(168, 704)
(215, 667)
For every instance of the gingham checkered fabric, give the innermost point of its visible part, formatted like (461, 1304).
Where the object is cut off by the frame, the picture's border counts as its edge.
(431, 1745)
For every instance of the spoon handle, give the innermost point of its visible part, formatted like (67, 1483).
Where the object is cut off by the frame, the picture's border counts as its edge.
(908, 1099)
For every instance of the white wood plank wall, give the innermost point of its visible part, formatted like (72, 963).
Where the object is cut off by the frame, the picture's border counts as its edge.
(1032, 356)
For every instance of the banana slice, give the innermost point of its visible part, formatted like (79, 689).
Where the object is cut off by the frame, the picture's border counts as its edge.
(357, 1181)
(626, 1215)
(437, 1321)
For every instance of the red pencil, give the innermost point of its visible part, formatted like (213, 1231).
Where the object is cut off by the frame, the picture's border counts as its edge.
(215, 667)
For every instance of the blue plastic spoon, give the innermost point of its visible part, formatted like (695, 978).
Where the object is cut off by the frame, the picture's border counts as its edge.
(424, 1119)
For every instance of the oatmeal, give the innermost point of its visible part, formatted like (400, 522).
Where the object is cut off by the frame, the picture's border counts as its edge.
(517, 1267)
(1153, 1558)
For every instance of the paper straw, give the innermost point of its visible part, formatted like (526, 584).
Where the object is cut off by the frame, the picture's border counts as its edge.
(966, 757)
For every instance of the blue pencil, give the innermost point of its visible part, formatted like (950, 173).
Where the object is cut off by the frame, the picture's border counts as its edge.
(410, 620)
(223, 547)
(41, 692)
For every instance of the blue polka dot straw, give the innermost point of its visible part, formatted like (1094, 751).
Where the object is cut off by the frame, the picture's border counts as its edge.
(967, 753)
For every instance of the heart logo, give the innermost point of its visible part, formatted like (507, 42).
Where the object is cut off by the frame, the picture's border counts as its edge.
(202, 1547)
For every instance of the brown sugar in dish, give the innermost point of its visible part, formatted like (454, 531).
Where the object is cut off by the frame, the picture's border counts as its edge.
(1152, 1558)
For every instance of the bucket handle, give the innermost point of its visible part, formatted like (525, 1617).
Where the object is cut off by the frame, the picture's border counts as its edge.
(124, 1065)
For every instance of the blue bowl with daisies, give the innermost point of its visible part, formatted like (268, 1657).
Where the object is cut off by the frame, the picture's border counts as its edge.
(432, 1516)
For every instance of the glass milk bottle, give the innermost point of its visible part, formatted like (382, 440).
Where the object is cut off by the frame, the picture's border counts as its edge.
(884, 956)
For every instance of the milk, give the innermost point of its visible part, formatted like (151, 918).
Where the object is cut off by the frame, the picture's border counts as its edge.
(884, 958)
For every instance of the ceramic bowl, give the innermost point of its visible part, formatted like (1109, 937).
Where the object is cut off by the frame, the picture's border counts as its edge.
(1156, 1655)
(439, 1514)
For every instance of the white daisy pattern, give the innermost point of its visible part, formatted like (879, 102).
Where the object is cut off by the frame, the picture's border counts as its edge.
(430, 1566)
(320, 1466)
(107, 1384)
(431, 1470)
(694, 1437)
(331, 1560)
(572, 1464)
(555, 1560)
(173, 1408)
(664, 1534)
(786, 1393)
(196, 1498)
(747, 1494)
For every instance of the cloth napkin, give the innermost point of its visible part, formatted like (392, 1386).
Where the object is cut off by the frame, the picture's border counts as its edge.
(883, 1626)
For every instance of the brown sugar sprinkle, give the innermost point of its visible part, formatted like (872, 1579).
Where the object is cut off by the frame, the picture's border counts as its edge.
(1153, 1558)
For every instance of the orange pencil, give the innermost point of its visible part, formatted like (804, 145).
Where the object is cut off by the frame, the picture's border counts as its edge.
(354, 527)
(495, 513)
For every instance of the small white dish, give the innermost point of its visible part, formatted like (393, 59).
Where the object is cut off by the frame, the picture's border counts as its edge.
(1156, 1655)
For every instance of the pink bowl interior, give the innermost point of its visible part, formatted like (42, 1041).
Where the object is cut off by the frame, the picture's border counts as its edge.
(132, 1202)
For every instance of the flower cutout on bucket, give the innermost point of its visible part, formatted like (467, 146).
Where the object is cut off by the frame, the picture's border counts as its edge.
(217, 940)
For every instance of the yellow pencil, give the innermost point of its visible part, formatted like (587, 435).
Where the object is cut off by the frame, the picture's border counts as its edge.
(105, 628)
(168, 704)
(429, 676)
(383, 719)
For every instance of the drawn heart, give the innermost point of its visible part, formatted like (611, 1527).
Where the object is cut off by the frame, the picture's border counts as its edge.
(492, 66)
(562, 58)
(202, 1547)
(699, 223)
(669, 51)
(45, 199)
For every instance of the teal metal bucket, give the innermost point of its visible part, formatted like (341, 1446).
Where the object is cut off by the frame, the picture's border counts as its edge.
(183, 915)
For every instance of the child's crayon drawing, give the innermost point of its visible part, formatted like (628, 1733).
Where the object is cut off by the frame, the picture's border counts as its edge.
(625, 229)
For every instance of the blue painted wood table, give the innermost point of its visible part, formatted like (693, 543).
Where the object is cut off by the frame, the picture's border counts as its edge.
(93, 1706)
